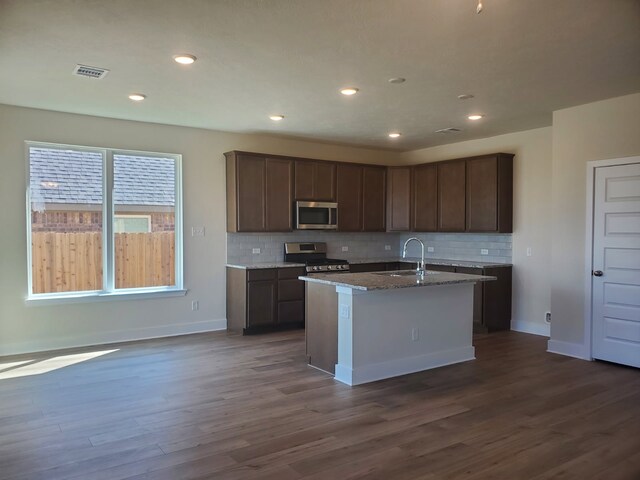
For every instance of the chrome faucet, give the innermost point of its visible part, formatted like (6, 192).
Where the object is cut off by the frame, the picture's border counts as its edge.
(420, 269)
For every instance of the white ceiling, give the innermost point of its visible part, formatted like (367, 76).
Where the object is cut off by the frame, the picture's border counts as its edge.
(521, 59)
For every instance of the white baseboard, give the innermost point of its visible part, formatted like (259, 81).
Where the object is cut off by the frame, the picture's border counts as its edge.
(576, 350)
(534, 328)
(402, 366)
(101, 338)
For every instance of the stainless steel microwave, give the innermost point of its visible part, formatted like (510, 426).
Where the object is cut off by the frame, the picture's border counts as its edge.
(316, 216)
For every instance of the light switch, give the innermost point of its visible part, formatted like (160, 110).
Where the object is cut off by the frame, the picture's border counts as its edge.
(484, 251)
(197, 231)
(430, 249)
(529, 253)
(345, 249)
(387, 247)
(344, 311)
(255, 251)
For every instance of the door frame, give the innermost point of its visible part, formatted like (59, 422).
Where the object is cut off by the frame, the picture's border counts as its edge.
(588, 264)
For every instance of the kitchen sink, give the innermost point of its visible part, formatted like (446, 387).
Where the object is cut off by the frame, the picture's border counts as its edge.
(405, 273)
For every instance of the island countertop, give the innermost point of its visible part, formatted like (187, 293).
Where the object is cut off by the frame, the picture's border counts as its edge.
(392, 280)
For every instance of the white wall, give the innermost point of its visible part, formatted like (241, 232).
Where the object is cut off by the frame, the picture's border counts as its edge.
(531, 215)
(24, 329)
(596, 131)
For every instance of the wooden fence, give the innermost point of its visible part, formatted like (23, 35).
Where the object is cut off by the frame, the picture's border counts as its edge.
(67, 262)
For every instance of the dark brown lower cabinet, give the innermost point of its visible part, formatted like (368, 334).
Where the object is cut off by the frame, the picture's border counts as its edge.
(261, 300)
(492, 300)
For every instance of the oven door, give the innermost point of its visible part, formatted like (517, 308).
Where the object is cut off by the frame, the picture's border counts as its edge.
(316, 216)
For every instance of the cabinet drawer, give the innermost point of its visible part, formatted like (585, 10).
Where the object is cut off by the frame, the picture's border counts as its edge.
(291, 312)
(293, 272)
(261, 274)
(440, 268)
(290, 289)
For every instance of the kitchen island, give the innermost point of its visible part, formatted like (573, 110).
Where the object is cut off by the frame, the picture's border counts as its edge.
(364, 327)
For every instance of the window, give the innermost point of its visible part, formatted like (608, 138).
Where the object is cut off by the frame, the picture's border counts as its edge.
(103, 221)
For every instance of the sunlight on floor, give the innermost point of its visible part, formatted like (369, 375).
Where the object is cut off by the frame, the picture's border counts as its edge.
(36, 367)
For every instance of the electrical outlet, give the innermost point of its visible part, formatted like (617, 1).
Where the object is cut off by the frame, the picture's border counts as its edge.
(387, 247)
(345, 249)
(197, 231)
(344, 312)
(484, 251)
(195, 306)
(255, 251)
(414, 335)
(430, 249)
(529, 252)
(547, 317)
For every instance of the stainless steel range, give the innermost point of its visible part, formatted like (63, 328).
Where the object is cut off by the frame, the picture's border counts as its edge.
(314, 256)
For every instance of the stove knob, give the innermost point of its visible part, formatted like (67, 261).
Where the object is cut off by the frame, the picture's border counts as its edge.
(315, 268)
(329, 267)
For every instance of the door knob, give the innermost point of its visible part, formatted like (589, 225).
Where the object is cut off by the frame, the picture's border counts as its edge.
(597, 273)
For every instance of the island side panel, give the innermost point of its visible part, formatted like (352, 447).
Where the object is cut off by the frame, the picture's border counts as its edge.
(322, 326)
(381, 324)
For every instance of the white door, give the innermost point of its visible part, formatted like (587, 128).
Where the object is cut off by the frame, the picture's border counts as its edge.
(616, 264)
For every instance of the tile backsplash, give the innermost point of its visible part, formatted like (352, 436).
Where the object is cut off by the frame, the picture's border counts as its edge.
(240, 245)
(461, 246)
(454, 246)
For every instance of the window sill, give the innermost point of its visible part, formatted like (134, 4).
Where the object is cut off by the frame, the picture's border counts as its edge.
(90, 297)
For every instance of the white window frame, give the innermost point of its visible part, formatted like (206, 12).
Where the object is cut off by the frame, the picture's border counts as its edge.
(108, 291)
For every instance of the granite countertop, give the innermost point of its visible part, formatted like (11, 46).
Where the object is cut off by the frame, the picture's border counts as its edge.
(257, 266)
(432, 261)
(386, 281)
(354, 261)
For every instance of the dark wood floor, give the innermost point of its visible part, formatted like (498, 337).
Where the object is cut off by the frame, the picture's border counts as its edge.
(216, 407)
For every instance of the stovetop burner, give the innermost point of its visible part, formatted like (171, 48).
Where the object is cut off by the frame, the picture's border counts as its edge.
(314, 256)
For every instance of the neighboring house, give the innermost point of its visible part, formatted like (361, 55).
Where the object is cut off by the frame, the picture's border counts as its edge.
(66, 192)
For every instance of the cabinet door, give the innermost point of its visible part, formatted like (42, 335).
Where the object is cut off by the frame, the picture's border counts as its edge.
(425, 198)
(250, 181)
(279, 195)
(451, 196)
(478, 326)
(349, 196)
(325, 182)
(373, 197)
(315, 181)
(304, 180)
(261, 303)
(399, 199)
(482, 194)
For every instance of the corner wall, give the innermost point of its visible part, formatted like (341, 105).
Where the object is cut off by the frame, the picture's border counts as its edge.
(531, 215)
(28, 329)
(595, 131)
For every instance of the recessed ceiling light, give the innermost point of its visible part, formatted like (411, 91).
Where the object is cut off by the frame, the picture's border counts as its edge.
(185, 58)
(465, 96)
(276, 118)
(395, 134)
(475, 117)
(349, 91)
(137, 97)
(397, 80)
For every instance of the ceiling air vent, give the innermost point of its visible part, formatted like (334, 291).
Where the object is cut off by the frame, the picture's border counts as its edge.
(448, 130)
(91, 72)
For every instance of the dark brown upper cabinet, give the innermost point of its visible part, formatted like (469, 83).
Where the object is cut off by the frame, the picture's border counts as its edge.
(315, 181)
(361, 198)
(259, 193)
(452, 196)
(425, 198)
(373, 199)
(399, 199)
(349, 197)
(490, 193)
